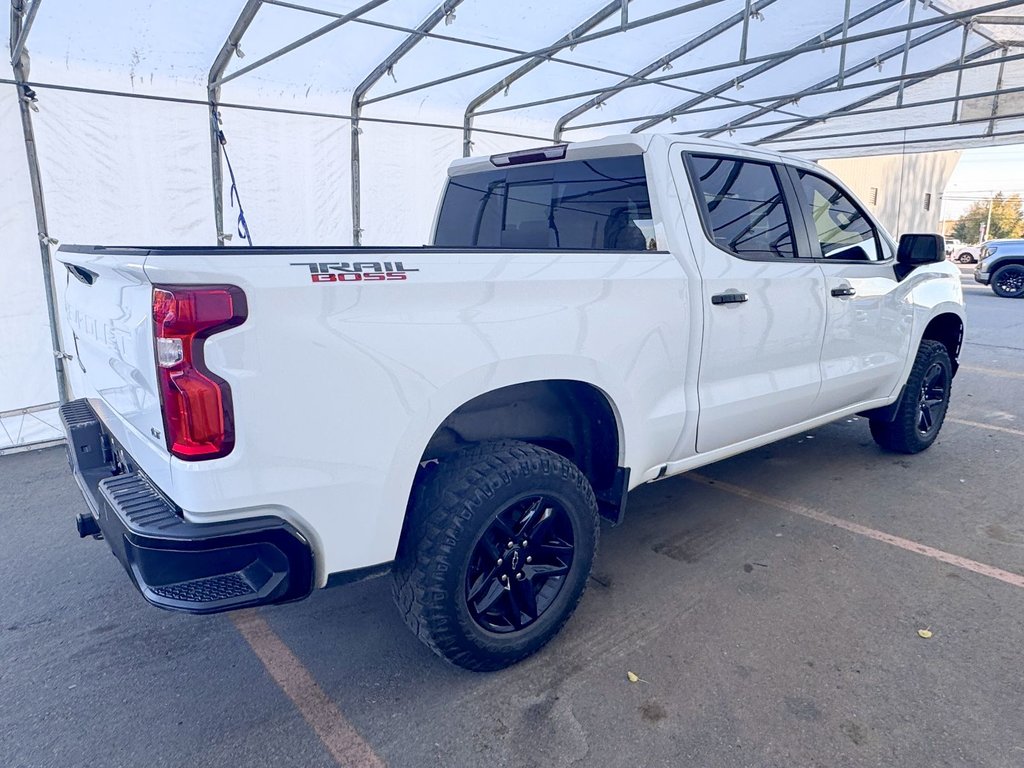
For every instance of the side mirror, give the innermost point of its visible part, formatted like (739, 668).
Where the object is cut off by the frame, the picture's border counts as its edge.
(916, 250)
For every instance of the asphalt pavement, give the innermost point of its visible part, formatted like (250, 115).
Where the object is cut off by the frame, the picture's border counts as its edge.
(770, 605)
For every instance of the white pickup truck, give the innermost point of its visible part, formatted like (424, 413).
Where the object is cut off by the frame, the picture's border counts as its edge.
(256, 423)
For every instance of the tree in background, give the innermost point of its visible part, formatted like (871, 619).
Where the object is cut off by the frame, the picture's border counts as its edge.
(1007, 219)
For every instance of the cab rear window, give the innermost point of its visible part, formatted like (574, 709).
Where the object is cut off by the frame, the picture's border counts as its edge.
(600, 204)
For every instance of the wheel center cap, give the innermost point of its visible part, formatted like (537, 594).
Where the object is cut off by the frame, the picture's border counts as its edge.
(515, 559)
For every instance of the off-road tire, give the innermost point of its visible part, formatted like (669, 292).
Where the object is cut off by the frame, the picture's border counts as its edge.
(454, 503)
(904, 434)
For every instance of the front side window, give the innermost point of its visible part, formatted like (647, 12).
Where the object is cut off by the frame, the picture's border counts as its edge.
(599, 204)
(743, 206)
(843, 231)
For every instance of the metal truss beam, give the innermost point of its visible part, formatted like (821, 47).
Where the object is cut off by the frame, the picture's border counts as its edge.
(778, 99)
(20, 28)
(552, 49)
(663, 62)
(828, 82)
(518, 55)
(769, 65)
(915, 127)
(919, 24)
(385, 66)
(317, 33)
(876, 96)
(908, 142)
(28, 18)
(220, 64)
(888, 108)
(488, 94)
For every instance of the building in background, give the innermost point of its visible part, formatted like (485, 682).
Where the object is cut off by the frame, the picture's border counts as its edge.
(903, 191)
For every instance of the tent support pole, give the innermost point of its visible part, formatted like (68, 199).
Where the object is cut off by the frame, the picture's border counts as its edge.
(20, 23)
(960, 72)
(440, 13)
(687, 107)
(527, 68)
(220, 64)
(995, 98)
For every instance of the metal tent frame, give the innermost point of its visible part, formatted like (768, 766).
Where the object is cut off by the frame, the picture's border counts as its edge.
(611, 19)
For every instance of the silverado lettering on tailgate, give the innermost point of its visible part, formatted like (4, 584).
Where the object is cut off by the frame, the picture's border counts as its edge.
(356, 271)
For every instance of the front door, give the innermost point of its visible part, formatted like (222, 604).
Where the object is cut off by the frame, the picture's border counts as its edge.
(870, 314)
(763, 302)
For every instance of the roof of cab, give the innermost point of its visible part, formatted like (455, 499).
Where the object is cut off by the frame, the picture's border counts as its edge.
(631, 144)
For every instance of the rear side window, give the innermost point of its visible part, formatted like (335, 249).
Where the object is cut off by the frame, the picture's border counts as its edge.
(600, 204)
(743, 208)
(843, 231)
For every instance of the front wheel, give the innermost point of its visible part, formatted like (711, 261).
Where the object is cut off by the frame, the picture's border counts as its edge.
(1008, 281)
(965, 258)
(496, 554)
(923, 404)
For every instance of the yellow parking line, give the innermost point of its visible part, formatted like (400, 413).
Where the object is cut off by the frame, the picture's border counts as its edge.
(823, 517)
(342, 741)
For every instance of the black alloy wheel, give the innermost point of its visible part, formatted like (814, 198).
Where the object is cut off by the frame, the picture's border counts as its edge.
(1008, 281)
(932, 401)
(519, 565)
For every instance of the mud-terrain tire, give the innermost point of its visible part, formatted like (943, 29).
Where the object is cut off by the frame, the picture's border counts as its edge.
(496, 552)
(923, 404)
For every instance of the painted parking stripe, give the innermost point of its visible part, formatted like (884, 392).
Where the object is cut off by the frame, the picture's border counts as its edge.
(992, 372)
(823, 517)
(342, 741)
(993, 427)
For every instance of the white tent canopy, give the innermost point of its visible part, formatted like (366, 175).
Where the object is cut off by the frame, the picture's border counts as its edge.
(341, 116)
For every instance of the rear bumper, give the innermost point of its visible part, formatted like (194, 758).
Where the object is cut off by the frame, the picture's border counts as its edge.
(178, 565)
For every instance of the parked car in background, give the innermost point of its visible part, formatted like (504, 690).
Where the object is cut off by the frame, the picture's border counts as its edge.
(1001, 265)
(951, 245)
(965, 254)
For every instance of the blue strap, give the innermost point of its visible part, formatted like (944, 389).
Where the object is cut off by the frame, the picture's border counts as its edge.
(243, 227)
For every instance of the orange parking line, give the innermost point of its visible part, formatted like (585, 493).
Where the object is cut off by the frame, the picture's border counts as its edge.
(992, 372)
(974, 566)
(979, 425)
(342, 741)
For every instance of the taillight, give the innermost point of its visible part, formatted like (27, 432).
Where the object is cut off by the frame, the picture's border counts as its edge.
(198, 418)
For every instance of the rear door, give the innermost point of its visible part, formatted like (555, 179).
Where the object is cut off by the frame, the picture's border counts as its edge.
(870, 316)
(763, 305)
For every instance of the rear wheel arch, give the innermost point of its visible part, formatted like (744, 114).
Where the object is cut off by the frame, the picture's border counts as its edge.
(573, 418)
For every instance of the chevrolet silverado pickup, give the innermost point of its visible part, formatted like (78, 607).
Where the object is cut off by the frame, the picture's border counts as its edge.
(253, 424)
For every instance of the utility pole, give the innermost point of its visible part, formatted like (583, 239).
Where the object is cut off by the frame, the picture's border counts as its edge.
(988, 223)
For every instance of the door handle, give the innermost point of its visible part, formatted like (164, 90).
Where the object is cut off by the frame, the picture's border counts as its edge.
(732, 297)
(845, 290)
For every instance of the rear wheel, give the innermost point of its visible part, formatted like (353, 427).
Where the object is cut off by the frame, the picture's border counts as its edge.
(496, 554)
(965, 258)
(1008, 281)
(922, 406)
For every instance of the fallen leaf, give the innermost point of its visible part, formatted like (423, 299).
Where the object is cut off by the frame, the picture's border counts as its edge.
(632, 677)
(925, 633)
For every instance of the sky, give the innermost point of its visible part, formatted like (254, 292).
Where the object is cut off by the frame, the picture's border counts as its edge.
(981, 172)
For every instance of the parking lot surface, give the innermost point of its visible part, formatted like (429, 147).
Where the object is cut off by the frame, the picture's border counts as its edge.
(770, 604)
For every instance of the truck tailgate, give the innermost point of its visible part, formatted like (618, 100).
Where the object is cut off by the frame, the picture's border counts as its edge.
(107, 312)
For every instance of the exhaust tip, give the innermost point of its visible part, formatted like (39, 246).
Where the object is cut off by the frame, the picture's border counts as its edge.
(87, 526)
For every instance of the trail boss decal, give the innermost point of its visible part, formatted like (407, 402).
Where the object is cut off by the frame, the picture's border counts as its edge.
(355, 272)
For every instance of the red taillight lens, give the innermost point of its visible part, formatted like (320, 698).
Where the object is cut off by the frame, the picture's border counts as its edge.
(198, 418)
